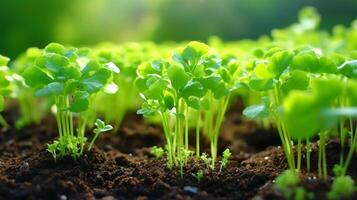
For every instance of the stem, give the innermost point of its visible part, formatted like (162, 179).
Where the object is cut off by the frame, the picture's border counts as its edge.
(299, 155)
(308, 148)
(168, 138)
(350, 154)
(3, 122)
(186, 128)
(92, 142)
(322, 166)
(198, 124)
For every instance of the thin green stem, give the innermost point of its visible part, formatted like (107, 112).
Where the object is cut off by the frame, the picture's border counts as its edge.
(198, 126)
(3, 122)
(308, 149)
(299, 155)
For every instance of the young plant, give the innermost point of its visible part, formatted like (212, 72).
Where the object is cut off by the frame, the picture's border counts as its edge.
(206, 159)
(6, 88)
(57, 75)
(193, 87)
(288, 184)
(100, 128)
(199, 175)
(31, 108)
(183, 157)
(225, 160)
(157, 152)
(343, 187)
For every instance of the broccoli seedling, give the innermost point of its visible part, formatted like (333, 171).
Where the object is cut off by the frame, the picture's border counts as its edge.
(225, 160)
(199, 175)
(100, 128)
(343, 187)
(157, 152)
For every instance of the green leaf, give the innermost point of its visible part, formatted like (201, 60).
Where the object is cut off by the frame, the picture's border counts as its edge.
(298, 80)
(169, 101)
(148, 68)
(260, 84)
(301, 114)
(193, 102)
(256, 111)
(305, 61)
(327, 89)
(261, 71)
(326, 65)
(91, 67)
(51, 89)
(80, 102)
(193, 88)
(210, 82)
(101, 127)
(349, 69)
(35, 77)
(221, 90)
(55, 62)
(55, 48)
(178, 76)
(97, 81)
(279, 62)
(4, 60)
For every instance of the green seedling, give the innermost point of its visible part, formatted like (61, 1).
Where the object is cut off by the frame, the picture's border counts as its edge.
(225, 159)
(6, 88)
(343, 187)
(207, 160)
(157, 152)
(100, 128)
(199, 175)
(288, 184)
(58, 76)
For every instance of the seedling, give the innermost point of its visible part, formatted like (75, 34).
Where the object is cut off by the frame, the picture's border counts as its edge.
(157, 152)
(343, 187)
(288, 184)
(195, 82)
(225, 160)
(206, 159)
(57, 75)
(100, 128)
(6, 87)
(199, 175)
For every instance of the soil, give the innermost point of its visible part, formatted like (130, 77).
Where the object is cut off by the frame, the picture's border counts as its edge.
(121, 167)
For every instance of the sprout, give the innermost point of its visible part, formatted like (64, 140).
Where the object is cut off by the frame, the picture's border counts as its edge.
(56, 75)
(157, 152)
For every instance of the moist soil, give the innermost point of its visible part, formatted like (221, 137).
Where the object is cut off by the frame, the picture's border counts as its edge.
(121, 166)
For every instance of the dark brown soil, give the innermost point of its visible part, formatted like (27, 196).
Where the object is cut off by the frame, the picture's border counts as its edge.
(121, 167)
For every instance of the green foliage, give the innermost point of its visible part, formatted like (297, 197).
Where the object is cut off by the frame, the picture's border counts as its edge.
(57, 75)
(288, 184)
(199, 175)
(157, 152)
(101, 127)
(225, 159)
(343, 187)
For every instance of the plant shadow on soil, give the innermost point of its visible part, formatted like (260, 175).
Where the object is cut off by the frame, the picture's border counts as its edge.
(121, 167)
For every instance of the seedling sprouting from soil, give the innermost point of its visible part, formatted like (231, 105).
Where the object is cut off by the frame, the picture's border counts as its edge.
(57, 75)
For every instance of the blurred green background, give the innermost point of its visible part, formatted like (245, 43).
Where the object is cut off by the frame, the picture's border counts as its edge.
(27, 23)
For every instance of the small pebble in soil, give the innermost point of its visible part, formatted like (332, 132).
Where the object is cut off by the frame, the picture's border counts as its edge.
(108, 198)
(266, 158)
(190, 189)
(63, 197)
(24, 166)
